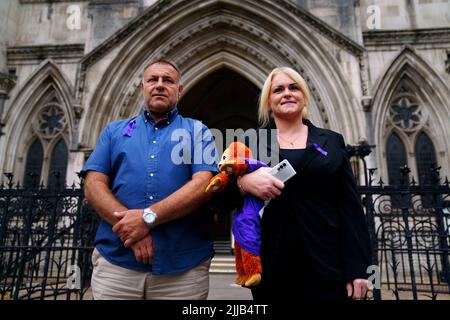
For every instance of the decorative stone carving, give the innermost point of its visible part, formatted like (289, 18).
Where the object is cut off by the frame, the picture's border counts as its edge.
(367, 103)
(406, 113)
(7, 82)
(42, 52)
(78, 110)
(50, 121)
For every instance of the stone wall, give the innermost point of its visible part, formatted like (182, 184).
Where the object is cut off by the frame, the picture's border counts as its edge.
(8, 28)
(50, 23)
(408, 14)
(345, 57)
(106, 17)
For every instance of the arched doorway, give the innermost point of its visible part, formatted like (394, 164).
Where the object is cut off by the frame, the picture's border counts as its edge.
(222, 100)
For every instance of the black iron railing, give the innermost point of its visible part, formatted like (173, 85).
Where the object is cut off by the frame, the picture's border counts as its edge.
(47, 236)
(409, 227)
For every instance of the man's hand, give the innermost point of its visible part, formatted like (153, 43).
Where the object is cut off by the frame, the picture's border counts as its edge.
(131, 226)
(357, 288)
(143, 249)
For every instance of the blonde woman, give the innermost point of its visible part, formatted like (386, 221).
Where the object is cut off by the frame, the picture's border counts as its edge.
(315, 242)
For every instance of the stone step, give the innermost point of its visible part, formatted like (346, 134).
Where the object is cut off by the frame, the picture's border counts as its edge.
(223, 257)
(228, 271)
(223, 264)
(222, 247)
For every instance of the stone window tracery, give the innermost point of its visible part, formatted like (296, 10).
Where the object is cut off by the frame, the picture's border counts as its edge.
(50, 121)
(49, 127)
(406, 113)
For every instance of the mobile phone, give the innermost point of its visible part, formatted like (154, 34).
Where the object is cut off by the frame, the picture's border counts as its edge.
(283, 171)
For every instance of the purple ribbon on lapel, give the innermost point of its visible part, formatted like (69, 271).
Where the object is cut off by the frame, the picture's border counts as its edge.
(316, 146)
(129, 129)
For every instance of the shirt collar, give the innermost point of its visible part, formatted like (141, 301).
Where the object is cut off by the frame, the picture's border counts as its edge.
(169, 115)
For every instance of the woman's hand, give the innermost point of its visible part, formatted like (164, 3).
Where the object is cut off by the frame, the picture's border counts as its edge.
(261, 184)
(357, 289)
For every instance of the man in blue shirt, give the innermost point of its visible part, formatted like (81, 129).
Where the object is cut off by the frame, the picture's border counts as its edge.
(146, 179)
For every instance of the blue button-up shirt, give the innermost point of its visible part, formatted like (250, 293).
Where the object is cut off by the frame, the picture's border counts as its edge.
(146, 162)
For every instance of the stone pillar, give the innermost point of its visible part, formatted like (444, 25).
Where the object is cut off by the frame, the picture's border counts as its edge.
(7, 82)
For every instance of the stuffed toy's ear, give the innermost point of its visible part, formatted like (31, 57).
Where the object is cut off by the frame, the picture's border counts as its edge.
(240, 150)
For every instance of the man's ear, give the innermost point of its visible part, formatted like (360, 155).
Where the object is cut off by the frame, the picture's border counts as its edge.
(141, 86)
(180, 90)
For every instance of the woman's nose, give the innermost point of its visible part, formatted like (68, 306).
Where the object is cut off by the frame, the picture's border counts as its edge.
(287, 93)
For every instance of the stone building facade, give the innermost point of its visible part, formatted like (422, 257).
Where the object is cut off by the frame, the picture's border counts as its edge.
(378, 71)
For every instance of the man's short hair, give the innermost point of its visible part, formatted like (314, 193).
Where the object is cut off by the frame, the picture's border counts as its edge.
(163, 61)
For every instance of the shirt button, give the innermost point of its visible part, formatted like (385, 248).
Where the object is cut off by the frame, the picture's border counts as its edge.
(152, 156)
(151, 174)
(156, 128)
(151, 197)
(154, 141)
(168, 122)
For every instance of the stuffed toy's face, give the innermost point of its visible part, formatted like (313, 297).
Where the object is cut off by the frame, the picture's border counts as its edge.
(235, 151)
(231, 163)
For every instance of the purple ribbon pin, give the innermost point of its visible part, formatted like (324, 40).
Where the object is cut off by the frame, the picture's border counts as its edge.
(129, 129)
(325, 153)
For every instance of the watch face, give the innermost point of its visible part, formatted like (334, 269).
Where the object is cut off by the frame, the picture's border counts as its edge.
(149, 217)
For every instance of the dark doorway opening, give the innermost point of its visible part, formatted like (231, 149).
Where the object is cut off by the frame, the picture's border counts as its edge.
(222, 100)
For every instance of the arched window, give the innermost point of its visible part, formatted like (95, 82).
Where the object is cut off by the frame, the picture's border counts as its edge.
(58, 165)
(409, 141)
(33, 168)
(396, 158)
(49, 152)
(425, 157)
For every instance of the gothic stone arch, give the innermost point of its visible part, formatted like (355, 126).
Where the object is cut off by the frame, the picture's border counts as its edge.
(251, 38)
(46, 82)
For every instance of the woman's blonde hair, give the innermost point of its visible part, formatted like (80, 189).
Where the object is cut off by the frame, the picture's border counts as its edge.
(264, 109)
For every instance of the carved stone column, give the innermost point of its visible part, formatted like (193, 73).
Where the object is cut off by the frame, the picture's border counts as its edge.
(7, 82)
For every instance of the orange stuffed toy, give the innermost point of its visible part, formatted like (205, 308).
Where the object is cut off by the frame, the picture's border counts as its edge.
(237, 160)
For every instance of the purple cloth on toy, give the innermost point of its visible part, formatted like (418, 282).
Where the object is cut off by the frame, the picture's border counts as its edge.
(246, 221)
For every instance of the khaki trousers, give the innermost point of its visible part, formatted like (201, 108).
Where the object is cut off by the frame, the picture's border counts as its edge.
(111, 282)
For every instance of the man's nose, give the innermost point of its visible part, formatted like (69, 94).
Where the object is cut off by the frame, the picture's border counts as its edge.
(160, 84)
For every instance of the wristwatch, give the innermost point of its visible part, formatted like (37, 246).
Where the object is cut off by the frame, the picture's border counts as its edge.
(149, 217)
